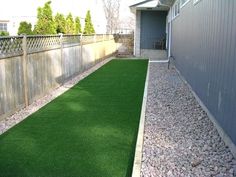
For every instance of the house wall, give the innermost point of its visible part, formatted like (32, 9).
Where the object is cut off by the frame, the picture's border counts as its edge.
(153, 28)
(203, 46)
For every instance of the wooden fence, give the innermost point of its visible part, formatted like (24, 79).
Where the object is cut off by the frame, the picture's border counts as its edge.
(31, 66)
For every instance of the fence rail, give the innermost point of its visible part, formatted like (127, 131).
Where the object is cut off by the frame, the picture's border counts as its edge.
(12, 46)
(31, 66)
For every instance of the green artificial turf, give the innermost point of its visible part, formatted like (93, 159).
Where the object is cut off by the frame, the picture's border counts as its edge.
(89, 131)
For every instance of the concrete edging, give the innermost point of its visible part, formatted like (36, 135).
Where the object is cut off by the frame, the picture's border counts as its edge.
(220, 130)
(136, 172)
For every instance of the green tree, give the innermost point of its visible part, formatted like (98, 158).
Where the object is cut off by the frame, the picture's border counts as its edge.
(88, 28)
(45, 23)
(60, 23)
(25, 28)
(70, 26)
(77, 25)
(4, 33)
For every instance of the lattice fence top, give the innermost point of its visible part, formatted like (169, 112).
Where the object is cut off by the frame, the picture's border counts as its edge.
(88, 39)
(100, 37)
(70, 39)
(39, 43)
(109, 37)
(11, 46)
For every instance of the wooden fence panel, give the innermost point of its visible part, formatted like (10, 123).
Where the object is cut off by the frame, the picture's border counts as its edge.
(11, 87)
(44, 73)
(48, 62)
(71, 60)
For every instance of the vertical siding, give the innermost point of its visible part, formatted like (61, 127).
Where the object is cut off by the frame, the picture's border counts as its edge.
(153, 27)
(203, 45)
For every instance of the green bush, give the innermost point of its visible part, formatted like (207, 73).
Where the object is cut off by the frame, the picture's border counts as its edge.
(70, 24)
(25, 28)
(60, 23)
(88, 28)
(77, 26)
(4, 33)
(45, 23)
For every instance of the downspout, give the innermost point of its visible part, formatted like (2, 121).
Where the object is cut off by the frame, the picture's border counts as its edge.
(170, 33)
(170, 30)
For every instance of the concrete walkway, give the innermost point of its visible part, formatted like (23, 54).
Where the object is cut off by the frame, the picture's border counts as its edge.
(179, 138)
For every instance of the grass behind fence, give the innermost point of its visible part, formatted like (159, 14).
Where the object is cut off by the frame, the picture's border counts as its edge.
(89, 131)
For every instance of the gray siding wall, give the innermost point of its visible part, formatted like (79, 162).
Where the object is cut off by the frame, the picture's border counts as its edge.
(153, 27)
(204, 45)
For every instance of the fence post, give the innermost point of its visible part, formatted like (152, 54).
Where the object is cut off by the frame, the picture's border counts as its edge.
(94, 38)
(62, 59)
(25, 70)
(81, 51)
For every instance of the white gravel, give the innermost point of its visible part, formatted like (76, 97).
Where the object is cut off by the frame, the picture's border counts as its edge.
(179, 138)
(10, 121)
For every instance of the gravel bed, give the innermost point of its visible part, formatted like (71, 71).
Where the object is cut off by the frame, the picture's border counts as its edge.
(14, 119)
(179, 138)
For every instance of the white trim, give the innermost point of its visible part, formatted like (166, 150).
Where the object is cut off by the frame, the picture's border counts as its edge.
(169, 33)
(182, 5)
(137, 34)
(175, 17)
(195, 2)
(159, 61)
(175, 12)
(148, 4)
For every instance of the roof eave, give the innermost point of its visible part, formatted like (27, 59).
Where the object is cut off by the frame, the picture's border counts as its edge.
(134, 7)
(167, 2)
(148, 5)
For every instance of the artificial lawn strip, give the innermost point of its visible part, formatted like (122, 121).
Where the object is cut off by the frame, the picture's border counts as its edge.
(89, 131)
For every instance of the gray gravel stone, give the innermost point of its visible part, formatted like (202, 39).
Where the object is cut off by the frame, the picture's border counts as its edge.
(179, 138)
(234, 170)
(196, 162)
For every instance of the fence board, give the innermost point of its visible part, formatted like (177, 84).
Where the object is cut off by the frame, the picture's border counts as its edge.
(11, 89)
(48, 66)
